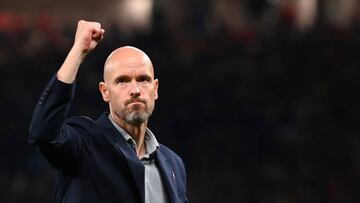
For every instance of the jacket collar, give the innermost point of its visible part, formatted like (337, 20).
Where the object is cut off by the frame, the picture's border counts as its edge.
(121, 146)
(151, 144)
(136, 167)
(168, 176)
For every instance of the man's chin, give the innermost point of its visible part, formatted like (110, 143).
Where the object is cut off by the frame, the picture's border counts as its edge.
(137, 117)
(136, 120)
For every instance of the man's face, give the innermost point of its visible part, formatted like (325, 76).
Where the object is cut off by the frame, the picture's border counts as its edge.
(130, 89)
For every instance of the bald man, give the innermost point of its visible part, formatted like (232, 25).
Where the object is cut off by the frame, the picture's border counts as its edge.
(115, 158)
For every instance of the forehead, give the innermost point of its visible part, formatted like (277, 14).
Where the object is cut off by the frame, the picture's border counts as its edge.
(130, 64)
(131, 69)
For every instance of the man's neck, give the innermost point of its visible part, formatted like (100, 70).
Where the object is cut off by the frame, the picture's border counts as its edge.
(137, 132)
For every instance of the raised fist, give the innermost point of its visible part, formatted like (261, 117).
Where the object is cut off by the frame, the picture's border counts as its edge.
(88, 35)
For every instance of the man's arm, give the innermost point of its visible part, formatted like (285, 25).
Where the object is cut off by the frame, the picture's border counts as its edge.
(88, 35)
(59, 141)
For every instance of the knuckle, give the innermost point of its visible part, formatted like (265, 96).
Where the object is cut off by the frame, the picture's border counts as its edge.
(97, 25)
(81, 22)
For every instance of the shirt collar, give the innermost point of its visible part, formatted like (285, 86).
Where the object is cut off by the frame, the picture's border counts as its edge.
(151, 144)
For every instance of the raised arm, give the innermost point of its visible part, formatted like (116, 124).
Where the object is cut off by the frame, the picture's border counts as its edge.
(88, 35)
(59, 139)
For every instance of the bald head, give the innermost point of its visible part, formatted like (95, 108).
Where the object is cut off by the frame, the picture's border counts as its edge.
(129, 86)
(126, 57)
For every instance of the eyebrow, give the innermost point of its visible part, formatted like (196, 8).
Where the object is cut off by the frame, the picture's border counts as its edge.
(126, 77)
(121, 77)
(146, 76)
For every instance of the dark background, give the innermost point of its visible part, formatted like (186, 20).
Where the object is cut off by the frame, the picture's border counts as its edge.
(262, 106)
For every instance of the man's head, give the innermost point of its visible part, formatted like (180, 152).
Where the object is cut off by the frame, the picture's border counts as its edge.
(129, 85)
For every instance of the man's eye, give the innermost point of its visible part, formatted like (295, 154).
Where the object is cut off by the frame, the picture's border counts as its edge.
(144, 79)
(121, 81)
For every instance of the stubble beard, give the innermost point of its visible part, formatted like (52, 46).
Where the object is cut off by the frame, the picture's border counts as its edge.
(137, 117)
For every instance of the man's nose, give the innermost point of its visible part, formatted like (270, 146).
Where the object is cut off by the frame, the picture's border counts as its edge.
(134, 90)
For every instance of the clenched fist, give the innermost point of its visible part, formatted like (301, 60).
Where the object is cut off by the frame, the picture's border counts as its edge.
(88, 35)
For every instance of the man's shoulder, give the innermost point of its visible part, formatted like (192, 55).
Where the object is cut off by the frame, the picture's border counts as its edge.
(87, 124)
(83, 123)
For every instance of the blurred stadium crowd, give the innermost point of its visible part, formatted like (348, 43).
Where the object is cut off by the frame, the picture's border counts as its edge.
(260, 98)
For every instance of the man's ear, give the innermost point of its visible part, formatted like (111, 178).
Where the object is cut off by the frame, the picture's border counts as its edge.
(104, 91)
(156, 95)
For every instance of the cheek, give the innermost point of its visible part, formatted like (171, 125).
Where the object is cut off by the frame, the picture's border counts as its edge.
(151, 96)
(118, 105)
(118, 99)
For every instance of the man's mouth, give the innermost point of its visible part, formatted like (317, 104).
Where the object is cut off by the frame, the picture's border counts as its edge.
(136, 102)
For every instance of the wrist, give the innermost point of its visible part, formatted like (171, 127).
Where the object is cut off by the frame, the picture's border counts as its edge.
(78, 54)
(69, 69)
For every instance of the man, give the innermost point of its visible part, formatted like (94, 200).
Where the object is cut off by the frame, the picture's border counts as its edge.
(115, 158)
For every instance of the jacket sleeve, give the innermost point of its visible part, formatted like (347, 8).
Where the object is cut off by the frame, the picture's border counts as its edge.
(55, 139)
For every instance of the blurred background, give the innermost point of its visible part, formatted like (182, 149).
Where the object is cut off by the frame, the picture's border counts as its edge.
(259, 97)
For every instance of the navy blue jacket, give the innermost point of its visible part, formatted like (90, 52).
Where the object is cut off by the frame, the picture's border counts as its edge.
(94, 162)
